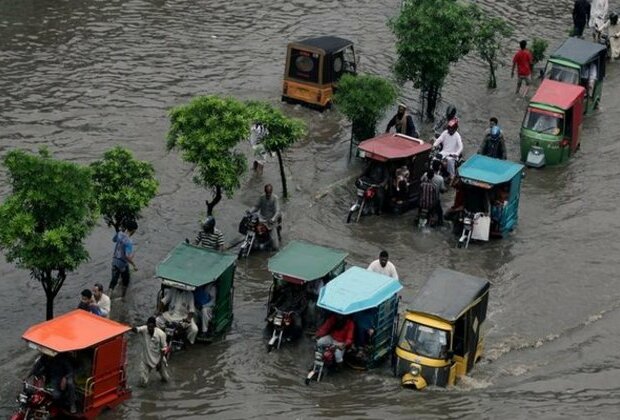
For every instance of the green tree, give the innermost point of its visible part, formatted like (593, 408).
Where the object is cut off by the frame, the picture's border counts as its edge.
(282, 132)
(123, 185)
(490, 32)
(363, 99)
(539, 46)
(44, 221)
(206, 131)
(430, 35)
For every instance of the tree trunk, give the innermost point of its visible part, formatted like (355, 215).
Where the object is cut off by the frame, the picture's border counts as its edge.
(51, 286)
(492, 78)
(282, 174)
(216, 199)
(431, 102)
(49, 310)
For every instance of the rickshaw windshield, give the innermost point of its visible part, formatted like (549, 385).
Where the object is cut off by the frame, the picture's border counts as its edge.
(560, 73)
(424, 340)
(304, 65)
(545, 122)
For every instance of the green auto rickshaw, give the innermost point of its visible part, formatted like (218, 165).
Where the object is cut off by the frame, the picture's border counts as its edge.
(441, 338)
(577, 62)
(209, 276)
(552, 124)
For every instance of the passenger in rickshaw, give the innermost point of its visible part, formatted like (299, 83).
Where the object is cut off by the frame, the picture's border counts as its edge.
(401, 183)
(377, 174)
(500, 199)
(589, 74)
(58, 374)
(338, 330)
(403, 122)
(180, 309)
(204, 300)
(364, 331)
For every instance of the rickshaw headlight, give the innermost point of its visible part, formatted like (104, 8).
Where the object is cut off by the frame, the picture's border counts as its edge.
(414, 370)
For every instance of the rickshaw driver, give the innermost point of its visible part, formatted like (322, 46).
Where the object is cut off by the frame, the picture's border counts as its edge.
(452, 145)
(181, 309)
(58, 373)
(337, 330)
(377, 174)
(268, 207)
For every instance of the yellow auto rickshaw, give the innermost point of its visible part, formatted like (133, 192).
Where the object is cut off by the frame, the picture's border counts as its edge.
(441, 337)
(313, 67)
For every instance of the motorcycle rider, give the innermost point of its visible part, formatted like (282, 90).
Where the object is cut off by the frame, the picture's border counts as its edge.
(268, 207)
(442, 124)
(209, 236)
(403, 122)
(452, 145)
(181, 309)
(58, 373)
(493, 144)
(338, 331)
(376, 174)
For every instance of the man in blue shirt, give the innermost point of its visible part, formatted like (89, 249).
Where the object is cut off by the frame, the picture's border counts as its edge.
(88, 304)
(123, 257)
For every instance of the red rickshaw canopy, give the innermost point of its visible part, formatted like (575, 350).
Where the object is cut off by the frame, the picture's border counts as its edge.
(390, 146)
(559, 94)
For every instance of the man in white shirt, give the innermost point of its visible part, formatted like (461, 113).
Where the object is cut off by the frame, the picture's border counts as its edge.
(102, 300)
(180, 309)
(452, 145)
(153, 350)
(383, 266)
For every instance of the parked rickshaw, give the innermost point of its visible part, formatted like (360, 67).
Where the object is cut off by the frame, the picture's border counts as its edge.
(370, 300)
(95, 350)
(552, 124)
(299, 271)
(391, 181)
(188, 268)
(576, 62)
(489, 191)
(313, 68)
(442, 335)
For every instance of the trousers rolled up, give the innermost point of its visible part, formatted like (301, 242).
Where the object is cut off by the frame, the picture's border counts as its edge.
(145, 372)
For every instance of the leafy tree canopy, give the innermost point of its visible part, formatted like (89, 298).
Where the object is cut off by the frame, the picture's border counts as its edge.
(363, 99)
(489, 34)
(283, 131)
(206, 130)
(123, 185)
(539, 46)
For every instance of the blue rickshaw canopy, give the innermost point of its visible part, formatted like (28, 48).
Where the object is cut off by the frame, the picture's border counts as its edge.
(489, 170)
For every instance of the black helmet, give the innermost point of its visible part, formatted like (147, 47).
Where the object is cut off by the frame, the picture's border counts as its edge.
(209, 224)
(613, 18)
(450, 112)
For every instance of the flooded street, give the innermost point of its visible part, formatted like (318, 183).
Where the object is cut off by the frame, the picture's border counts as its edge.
(81, 76)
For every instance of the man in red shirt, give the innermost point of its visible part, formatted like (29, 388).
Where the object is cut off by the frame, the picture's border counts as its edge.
(523, 60)
(338, 331)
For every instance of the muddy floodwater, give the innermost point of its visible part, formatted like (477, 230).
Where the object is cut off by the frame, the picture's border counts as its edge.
(81, 76)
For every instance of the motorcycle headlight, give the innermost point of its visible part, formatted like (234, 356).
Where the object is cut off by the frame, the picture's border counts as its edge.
(414, 370)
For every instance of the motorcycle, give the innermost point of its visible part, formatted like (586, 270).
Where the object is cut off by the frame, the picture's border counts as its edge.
(176, 336)
(468, 219)
(35, 402)
(364, 204)
(257, 233)
(324, 358)
(281, 322)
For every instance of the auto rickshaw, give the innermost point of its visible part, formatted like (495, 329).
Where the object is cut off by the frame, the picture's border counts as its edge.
(391, 182)
(96, 350)
(299, 271)
(574, 62)
(489, 190)
(552, 124)
(313, 68)
(189, 268)
(370, 300)
(442, 335)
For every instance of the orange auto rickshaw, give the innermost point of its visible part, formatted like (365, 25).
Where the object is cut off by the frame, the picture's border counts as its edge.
(313, 68)
(95, 349)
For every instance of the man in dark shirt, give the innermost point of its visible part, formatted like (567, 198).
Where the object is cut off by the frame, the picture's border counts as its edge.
(58, 373)
(268, 208)
(581, 15)
(403, 122)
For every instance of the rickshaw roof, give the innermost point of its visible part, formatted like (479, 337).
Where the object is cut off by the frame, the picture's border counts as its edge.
(578, 50)
(194, 266)
(356, 290)
(388, 146)
(489, 170)
(75, 330)
(329, 44)
(306, 261)
(447, 293)
(558, 94)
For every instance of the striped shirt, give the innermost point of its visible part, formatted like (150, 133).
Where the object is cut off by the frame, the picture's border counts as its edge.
(214, 240)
